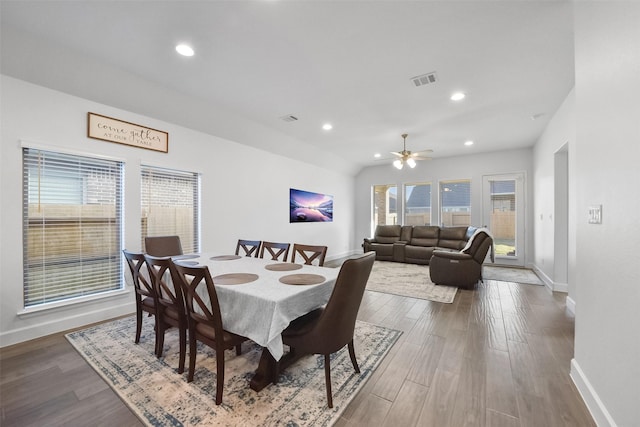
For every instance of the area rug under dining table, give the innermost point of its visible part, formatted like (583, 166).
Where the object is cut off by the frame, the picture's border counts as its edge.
(159, 396)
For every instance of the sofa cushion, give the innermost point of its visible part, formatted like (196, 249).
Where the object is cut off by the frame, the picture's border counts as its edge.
(387, 233)
(452, 238)
(425, 235)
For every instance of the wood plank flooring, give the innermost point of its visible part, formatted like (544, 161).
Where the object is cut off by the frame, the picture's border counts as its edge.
(498, 356)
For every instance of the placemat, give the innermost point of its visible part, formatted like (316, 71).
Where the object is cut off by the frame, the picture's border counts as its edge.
(187, 256)
(283, 266)
(225, 257)
(234, 278)
(302, 279)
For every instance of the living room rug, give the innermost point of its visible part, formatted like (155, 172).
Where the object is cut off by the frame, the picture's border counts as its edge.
(409, 280)
(510, 274)
(159, 396)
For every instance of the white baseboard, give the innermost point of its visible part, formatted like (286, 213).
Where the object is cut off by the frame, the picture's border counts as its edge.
(571, 305)
(595, 406)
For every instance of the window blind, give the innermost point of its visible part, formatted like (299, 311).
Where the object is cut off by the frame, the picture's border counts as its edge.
(72, 226)
(170, 205)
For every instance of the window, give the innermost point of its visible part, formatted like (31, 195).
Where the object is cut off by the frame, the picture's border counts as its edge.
(417, 204)
(455, 203)
(170, 205)
(385, 205)
(72, 226)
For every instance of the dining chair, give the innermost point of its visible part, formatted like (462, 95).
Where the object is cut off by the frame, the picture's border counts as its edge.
(250, 247)
(326, 330)
(171, 307)
(144, 293)
(204, 319)
(276, 250)
(162, 246)
(309, 253)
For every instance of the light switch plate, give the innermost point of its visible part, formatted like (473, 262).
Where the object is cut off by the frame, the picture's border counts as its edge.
(595, 214)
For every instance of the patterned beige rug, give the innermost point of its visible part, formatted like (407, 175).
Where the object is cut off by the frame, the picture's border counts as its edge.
(409, 280)
(160, 396)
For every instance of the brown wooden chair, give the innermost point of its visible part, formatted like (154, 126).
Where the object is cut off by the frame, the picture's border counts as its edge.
(250, 247)
(328, 329)
(171, 307)
(144, 293)
(162, 246)
(309, 253)
(205, 321)
(276, 250)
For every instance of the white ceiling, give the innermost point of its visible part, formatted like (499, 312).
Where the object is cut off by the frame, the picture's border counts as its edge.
(345, 62)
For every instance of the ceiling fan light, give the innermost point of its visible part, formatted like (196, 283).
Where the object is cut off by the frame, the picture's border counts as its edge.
(411, 162)
(397, 163)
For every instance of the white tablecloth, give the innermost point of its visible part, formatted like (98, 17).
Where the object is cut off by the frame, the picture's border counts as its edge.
(262, 309)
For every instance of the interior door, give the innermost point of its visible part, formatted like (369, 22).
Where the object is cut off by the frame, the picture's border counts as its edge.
(503, 214)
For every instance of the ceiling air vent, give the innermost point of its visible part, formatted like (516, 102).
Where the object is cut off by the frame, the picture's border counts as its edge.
(289, 118)
(424, 79)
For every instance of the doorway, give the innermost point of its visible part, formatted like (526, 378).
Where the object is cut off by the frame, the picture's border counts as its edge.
(503, 214)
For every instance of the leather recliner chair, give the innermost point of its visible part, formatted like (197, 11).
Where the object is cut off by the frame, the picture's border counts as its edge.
(462, 269)
(382, 243)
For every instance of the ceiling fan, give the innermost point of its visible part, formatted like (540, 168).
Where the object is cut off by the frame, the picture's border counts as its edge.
(408, 157)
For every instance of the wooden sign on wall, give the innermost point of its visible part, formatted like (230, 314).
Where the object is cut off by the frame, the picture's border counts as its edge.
(114, 130)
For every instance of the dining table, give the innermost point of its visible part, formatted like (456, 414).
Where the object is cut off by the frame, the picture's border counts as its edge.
(259, 298)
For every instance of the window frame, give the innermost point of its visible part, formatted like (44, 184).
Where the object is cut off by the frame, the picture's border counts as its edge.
(88, 170)
(189, 245)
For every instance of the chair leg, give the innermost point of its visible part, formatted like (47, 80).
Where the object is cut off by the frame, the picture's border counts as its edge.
(220, 374)
(138, 324)
(192, 355)
(160, 338)
(352, 354)
(239, 349)
(183, 348)
(327, 378)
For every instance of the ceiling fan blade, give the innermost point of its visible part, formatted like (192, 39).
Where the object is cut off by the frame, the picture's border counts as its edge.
(421, 158)
(422, 151)
(396, 154)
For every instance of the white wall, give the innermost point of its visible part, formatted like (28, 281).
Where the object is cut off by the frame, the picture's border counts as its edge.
(473, 167)
(606, 366)
(245, 194)
(559, 132)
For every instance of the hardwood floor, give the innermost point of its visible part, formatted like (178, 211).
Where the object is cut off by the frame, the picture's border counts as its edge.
(498, 356)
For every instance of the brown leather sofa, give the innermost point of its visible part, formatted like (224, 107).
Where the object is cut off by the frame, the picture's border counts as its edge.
(464, 268)
(415, 244)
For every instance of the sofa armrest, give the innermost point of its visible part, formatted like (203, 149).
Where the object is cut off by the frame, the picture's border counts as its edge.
(398, 251)
(458, 256)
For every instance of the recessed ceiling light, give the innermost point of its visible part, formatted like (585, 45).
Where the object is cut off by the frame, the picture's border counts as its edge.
(184, 50)
(458, 96)
(377, 155)
(468, 143)
(327, 126)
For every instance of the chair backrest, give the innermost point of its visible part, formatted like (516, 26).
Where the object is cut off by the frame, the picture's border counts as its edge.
(334, 329)
(162, 246)
(142, 285)
(167, 292)
(250, 247)
(276, 250)
(309, 253)
(199, 294)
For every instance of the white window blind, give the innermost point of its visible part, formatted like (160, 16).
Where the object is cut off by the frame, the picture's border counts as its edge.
(455, 203)
(170, 205)
(72, 226)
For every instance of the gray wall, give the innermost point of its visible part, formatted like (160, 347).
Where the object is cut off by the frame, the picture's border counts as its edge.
(607, 341)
